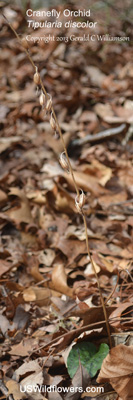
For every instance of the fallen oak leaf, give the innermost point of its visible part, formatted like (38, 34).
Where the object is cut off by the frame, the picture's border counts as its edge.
(32, 263)
(34, 379)
(14, 389)
(97, 77)
(4, 324)
(103, 172)
(91, 314)
(106, 112)
(5, 266)
(103, 262)
(28, 366)
(23, 348)
(82, 289)
(71, 248)
(89, 270)
(33, 269)
(78, 233)
(117, 369)
(20, 213)
(41, 296)
(7, 142)
(84, 180)
(59, 280)
(3, 197)
(116, 318)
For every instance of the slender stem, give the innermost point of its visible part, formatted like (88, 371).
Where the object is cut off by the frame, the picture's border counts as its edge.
(61, 136)
(65, 335)
(98, 283)
(68, 160)
(74, 181)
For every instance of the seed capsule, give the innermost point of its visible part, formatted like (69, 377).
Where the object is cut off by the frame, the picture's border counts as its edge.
(49, 103)
(36, 77)
(42, 99)
(53, 122)
(63, 161)
(80, 201)
(25, 43)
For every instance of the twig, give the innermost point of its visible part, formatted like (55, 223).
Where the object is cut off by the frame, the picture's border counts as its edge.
(103, 135)
(112, 292)
(50, 354)
(79, 201)
(128, 136)
(64, 335)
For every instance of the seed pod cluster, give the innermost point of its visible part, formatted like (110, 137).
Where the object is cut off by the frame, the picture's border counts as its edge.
(49, 103)
(53, 122)
(36, 77)
(42, 99)
(63, 161)
(24, 43)
(80, 201)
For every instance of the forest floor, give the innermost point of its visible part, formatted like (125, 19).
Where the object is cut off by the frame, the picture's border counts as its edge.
(49, 294)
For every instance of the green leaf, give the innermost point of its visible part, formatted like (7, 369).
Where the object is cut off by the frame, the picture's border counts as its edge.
(97, 359)
(90, 358)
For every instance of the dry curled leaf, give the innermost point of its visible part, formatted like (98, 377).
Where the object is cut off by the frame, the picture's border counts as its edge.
(117, 369)
(22, 349)
(59, 280)
(7, 142)
(14, 389)
(40, 296)
(122, 317)
(21, 212)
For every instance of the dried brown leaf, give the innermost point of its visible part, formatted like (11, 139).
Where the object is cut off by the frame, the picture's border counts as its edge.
(40, 296)
(117, 369)
(22, 349)
(14, 389)
(116, 318)
(22, 213)
(59, 280)
(5, 266)
(7, 142)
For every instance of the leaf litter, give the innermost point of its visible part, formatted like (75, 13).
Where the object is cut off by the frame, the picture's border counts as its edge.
(49, 295)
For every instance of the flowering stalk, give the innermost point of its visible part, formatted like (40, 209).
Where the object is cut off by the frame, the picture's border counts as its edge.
(45, 98)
